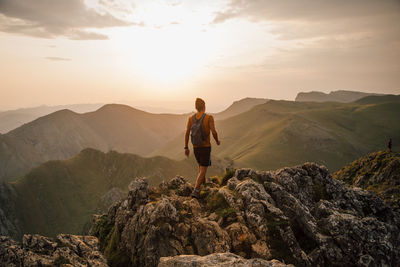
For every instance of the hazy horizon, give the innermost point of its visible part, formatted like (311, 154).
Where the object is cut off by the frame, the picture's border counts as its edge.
(166, 53)
(158, 107)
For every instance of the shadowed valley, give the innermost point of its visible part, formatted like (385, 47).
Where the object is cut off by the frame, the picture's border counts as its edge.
(60, 196)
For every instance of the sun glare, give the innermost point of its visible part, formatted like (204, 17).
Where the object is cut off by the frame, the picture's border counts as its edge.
(172, 47)
(179, 44)
(170, 55)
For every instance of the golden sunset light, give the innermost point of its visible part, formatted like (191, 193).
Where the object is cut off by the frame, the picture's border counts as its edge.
(178, 133)
(155, 51)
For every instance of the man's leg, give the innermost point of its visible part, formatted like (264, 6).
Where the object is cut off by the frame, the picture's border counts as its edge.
(203, 171)
(201, 177)
(197, 184)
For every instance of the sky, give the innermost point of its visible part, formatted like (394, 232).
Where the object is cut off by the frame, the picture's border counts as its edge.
(165, 53)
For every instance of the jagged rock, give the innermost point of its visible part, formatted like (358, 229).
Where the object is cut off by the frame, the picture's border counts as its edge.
(243, 239)
(298, 215)
(180, 185)
(216, 260)
(208, 237)
(38, 250)
(138, 192)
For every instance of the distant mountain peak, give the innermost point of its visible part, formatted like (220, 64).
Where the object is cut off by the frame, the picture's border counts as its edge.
(240, 106)
(55, 116)
(118, 107)
(12, 119)
(344, 96)
(64, 111)
(249, 99)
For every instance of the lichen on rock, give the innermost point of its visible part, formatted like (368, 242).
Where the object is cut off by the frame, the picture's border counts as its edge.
(217, 260)
(378, 172)
(37, 250)
(298, 215)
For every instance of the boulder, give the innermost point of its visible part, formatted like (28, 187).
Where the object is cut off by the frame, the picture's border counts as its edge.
(37, 250)
(216, 260)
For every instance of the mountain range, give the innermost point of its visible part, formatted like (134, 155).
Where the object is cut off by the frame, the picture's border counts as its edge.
(269, 135)
(64, 133)
(281, 133)
(342, 96)
(12, 119)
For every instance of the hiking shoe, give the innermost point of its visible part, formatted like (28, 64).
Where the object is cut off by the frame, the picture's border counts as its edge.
(196, 193)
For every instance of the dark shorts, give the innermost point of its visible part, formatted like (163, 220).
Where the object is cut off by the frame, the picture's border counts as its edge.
(203, 155)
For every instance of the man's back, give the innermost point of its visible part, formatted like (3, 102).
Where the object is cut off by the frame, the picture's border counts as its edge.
(208, 124)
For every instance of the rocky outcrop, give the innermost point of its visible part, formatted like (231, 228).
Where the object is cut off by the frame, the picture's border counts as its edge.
(37, 250)
(216, 260)
(378, 172)
(298, 215)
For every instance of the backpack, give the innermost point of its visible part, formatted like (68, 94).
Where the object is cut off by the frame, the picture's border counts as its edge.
(197, 133)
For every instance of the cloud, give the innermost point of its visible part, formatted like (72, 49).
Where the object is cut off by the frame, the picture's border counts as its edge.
(297, 20)
(117, 6)
(322, 44)
(174, 3)
(383, 27)
(305, 10)
(86, 35)
(53, 18)
(57, 58)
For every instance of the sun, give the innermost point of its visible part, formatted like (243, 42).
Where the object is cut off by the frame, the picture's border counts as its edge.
(173, 46)
(170, 55)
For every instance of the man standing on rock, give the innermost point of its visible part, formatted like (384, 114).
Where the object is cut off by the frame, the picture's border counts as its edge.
(390, 145)
(199, 127)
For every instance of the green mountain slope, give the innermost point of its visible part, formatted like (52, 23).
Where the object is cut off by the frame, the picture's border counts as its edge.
(61, 196)
(378, 99)
(378, 172)
(282, 133)
(64, 133)
(239, 106)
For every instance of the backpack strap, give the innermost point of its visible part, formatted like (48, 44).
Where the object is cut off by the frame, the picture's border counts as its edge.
(202, 117)
(203, 134)
(200, 120)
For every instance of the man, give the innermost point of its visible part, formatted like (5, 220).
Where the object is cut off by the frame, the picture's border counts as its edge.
(390, 145)
(200, 125)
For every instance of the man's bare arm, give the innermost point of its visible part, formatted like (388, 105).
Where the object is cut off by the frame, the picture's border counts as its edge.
(187, 138)
(214, 132)
(187, 151)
